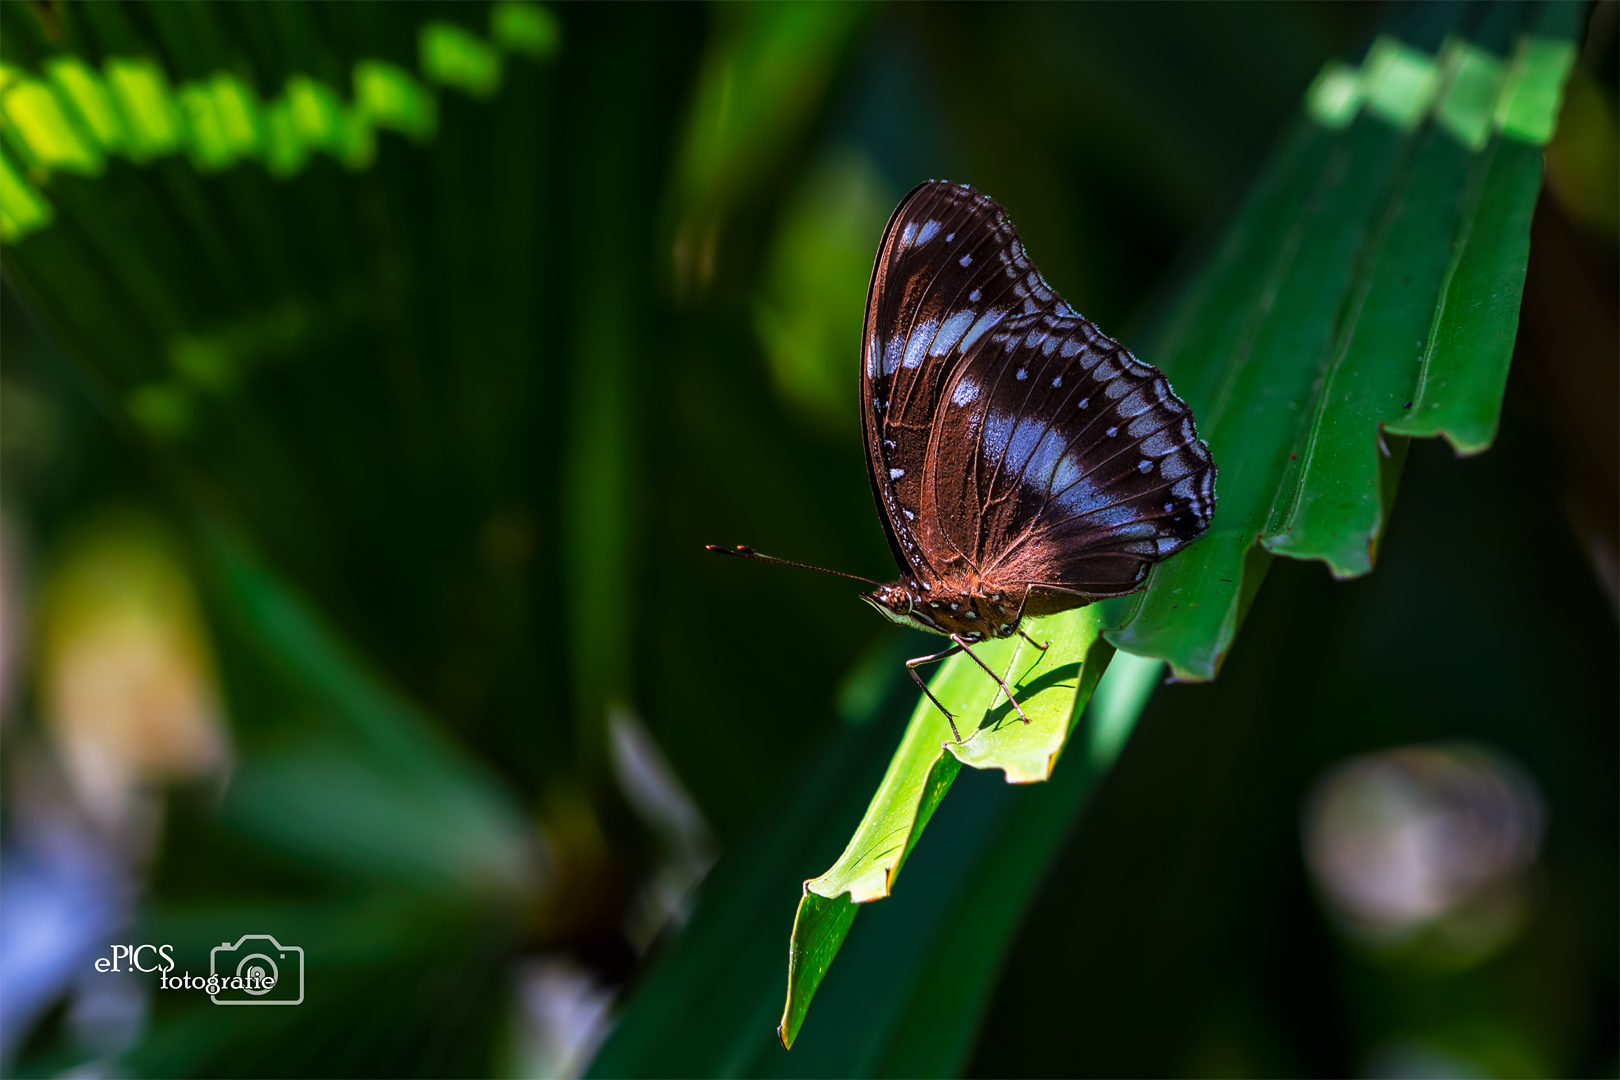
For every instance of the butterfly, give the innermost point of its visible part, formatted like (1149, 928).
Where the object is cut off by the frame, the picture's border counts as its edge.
(1023, 462)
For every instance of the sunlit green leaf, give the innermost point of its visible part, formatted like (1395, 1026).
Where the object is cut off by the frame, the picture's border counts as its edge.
(935, 1030)
(1055, 683)
(1051, 685)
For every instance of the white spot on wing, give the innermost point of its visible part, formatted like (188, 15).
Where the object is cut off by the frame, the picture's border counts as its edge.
(918, 345)
(1146, 423)
(967, 392)
(895, 474)
(965, 260)
(927, 233)
(1158, 444)
(1135, 405)
(986, 321)
(892, 350)
(952, 331)
(1022, 374)
(1175, 467)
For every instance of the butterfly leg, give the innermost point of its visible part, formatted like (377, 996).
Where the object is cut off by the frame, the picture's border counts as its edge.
(993, 675)
(911, 668)
(1033, 642)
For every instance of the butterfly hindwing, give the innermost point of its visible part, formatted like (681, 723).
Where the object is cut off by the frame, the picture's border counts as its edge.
(1059, 458)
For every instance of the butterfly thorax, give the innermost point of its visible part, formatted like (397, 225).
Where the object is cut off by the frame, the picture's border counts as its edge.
(971, 613)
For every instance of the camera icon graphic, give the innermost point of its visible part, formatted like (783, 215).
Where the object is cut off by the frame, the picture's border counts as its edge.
(257, 970)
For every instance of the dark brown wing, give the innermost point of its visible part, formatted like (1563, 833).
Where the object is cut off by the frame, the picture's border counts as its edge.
(1006, 434)
(943, 278)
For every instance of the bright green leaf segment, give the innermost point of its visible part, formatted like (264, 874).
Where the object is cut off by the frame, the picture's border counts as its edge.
(457, 57)
(1051, 685)
(1368, 289)
(1399, 82)
(1055, 685)
(1528, 107)
(71, 118)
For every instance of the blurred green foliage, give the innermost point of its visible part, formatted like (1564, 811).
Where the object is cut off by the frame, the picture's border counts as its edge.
(444, 335)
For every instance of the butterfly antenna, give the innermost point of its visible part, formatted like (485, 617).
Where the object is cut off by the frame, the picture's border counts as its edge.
(743, 551)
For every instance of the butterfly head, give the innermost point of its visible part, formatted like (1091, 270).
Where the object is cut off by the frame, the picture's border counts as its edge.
(896, 602)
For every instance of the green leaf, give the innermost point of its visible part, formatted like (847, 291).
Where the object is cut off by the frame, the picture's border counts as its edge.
(1367, 289)
(1338, 515)
(937, 1025)
(1477, 317)
(1055, 683)
(916, 972)
(1048, 684)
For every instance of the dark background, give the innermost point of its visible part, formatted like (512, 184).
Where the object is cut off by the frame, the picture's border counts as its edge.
(510, 411)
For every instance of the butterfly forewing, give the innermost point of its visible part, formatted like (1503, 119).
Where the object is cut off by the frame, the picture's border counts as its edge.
(941, 281)
(1007, 437)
